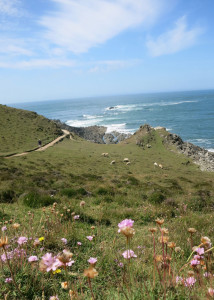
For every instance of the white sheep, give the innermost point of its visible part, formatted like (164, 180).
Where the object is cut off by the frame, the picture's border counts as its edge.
(128, 163)
(155, 164)
(160, 166)
(105, 154)
(113, 162)
(126, 160)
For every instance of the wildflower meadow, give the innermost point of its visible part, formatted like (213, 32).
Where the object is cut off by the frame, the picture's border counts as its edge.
(62, 258)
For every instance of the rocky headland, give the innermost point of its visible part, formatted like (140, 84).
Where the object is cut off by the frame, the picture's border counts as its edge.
(98, 134)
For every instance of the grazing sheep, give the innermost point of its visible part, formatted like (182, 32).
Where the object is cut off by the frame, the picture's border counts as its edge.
(160, 166)
(148, 146)
(128, 163)
(113, 162)
(105, 154)
(126, 160)
(155, 164)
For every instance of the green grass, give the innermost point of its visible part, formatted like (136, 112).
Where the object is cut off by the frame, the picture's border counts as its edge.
(73, 171)
(20, 130)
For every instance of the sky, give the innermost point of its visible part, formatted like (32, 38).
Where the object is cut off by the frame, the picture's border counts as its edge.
(63, 49)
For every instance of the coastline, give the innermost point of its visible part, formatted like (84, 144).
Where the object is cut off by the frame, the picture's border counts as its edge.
(99, 134)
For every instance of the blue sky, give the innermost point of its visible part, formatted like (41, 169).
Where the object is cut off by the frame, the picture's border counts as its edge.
(61, 49)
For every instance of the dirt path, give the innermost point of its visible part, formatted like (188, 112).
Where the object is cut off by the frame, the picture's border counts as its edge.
(66, 132)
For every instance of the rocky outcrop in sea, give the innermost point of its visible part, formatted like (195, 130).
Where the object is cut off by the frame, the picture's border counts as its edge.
(95, 134)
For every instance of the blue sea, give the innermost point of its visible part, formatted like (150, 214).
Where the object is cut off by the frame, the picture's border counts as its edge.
(188, 114)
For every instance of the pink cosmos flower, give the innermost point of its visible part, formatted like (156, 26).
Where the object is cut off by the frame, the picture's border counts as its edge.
(8, 280)
(194, 262)
(65, 241)
(33, 258)
(190, 281)
(128, 254)
(92, 260)
(125, 223)
(79, 243)
(22, 240)
(4, 228)
(76, 217)
(200, 251)
(90, 238)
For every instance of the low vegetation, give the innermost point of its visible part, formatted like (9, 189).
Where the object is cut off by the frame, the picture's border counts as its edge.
(61, 210)
(20, 130)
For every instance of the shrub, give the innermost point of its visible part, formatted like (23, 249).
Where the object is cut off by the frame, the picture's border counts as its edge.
(105, 191)
(7, 196)
(156, 198)
(36, 200)
(69, 192)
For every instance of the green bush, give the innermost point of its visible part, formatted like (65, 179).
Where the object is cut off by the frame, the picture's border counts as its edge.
(105, 191)
(7, 196)
(69, 192)
(36, 200)
(156, 198)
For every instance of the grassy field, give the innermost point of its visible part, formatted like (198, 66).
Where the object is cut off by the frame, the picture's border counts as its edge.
(71, 191)
(20, 130)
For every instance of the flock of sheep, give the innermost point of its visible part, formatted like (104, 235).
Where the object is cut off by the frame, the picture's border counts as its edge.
(126, 160)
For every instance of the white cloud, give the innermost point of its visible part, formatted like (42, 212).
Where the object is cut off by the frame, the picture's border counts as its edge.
(15, 47)
(37, 63)
(79, 25)
(9, 7)
(174, 40)
(108, 65)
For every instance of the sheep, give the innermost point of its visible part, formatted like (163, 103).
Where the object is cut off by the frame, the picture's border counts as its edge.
(155, 164)
(128, 163)
(105, 154)
(126, 160)
(113, 162)
(160, 166)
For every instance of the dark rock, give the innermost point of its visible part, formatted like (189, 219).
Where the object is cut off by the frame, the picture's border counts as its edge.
(200, 156)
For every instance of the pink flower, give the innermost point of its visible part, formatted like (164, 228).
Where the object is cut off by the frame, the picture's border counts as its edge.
(90, 238)
(22, 240)
(200, 251)
(4, 228)
(50, 262)
(9, 256)
(128, 254)
(194, 262)
(207, 275)
(65, 241)
(54, 298)
(8, 280)
(33, 258)
(79, 243)
(190, 281)
(121, 265)
(76, 217)
(92, 260)
(211, 292)
(125, 223)
(179, 279)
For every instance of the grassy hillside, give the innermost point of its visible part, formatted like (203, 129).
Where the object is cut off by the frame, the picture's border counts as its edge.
(43, 192)
(20, 130)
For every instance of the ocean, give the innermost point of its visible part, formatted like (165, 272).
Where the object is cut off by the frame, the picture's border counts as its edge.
(188, 114)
